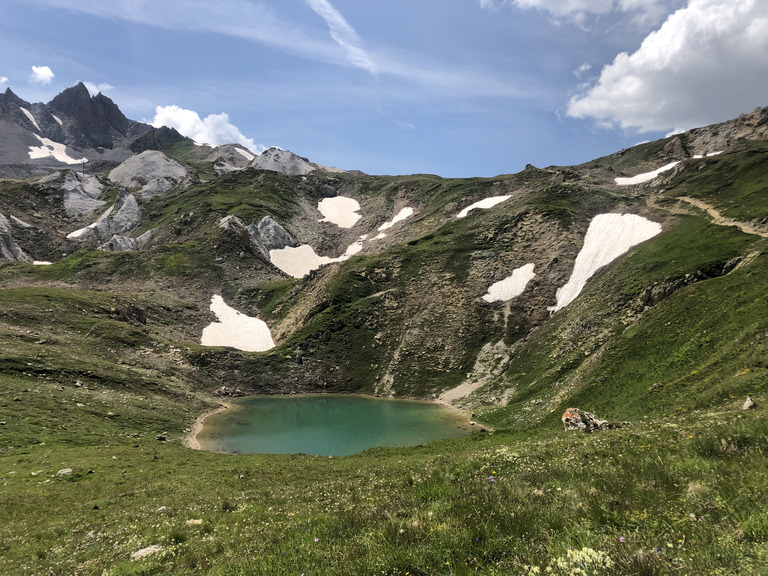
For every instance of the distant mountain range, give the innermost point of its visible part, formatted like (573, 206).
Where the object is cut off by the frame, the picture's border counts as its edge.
(76, 128)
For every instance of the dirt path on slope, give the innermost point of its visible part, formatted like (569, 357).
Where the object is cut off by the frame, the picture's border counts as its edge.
(717, 218)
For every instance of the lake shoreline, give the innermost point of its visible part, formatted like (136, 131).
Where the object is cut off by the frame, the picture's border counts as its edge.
(191, 440)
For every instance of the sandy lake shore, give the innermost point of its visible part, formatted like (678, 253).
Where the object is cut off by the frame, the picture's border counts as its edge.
(190, 441)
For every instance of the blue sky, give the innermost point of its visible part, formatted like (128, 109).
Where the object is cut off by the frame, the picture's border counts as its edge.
(451, 87)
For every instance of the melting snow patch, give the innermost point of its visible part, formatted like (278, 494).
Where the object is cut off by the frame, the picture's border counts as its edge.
(236, 329)
(21, 222)
(608, 237)
(58, 120)
(708, 155)
(41, 263)
(300, 261)
(483, 205)
(646, 177)
(247, 155)
(28, 114)
(404, 214)
(339, 210)
(511, 287)
(54, 150)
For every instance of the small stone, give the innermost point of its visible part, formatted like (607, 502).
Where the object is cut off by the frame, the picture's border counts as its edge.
(194, 522)
(64, 472)
(749, 404)
(160, 438)
(154, 549)
(162, 510)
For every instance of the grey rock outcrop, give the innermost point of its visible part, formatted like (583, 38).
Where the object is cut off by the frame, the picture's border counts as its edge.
(230, 157)
(123, 216)
(9, 250)
(153, 171)
(283, 161)
(269, 235)
(81, 193)
(265, 236)
(126, 244)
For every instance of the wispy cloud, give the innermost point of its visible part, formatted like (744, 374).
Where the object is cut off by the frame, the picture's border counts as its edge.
(343, 34)
(3, 80)
(579, 72)
(41, 75)
(250, 20)
(647, 11)
(260, 22)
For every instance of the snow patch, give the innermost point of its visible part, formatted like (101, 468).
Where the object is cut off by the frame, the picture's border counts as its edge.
(708, 155)
(404, 214)
(54, 150)
(31, 118)
(247, 155)
(41, 263)
(646, 177)
(512, 286)
(483, 205)
(300, 261)
(236, 329)
(58, 120)
(608, 237)
(339, 210)
(20, 222)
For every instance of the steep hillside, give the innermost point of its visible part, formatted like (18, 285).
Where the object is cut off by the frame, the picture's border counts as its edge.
(407, 311)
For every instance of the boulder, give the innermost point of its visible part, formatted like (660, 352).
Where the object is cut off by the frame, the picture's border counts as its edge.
(575, 419)
(749, 404)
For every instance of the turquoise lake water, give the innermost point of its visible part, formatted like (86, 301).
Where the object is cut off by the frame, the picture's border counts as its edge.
(327, 425)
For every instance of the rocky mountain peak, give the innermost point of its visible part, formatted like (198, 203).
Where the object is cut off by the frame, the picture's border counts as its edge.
(98, 117)
(9, 101)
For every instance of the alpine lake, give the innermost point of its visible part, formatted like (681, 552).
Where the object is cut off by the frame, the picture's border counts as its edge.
(326, 425)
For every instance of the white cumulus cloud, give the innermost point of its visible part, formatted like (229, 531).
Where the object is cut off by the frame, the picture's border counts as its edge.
(705, 64)
(42, 74)
(343, 34)
(214, 129)
(3, 79)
